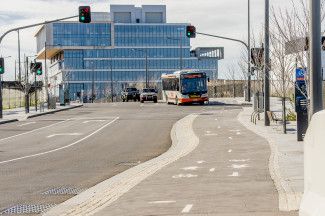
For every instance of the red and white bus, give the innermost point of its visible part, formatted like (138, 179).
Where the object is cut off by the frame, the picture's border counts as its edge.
(186, 86)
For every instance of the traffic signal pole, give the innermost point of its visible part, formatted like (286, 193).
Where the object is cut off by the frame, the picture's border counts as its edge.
(21, 28)
(316, 99)
(1, 106)
(267, 64)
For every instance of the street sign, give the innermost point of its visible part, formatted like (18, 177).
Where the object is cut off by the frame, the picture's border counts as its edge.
(300, 74)
(257, 56)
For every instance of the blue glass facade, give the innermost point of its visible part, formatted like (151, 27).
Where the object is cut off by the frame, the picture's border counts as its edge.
(97, 48)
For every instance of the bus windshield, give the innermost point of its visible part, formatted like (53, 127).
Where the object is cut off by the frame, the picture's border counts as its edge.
(194, 85)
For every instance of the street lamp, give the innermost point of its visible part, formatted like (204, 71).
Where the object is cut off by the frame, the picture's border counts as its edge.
(267, 64)
(145, 51)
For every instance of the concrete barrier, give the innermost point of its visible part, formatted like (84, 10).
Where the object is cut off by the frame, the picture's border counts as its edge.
(313, 203)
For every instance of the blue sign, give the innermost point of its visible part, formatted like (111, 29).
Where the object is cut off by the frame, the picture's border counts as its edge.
(300, 74)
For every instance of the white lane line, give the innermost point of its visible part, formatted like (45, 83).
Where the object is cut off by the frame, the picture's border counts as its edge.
(184, 176)
(239, 166)
(208, 132)
(216, 119)
(187, 208)
(230, 150)
(162, 202)
(234, 174)
(193, 168)
(211, 134)
(85, 122)
(212, 169)
(64, 134)
(243, 160)
(219, 127)
(200, 162)
(238, 133)
(230, 138)
(61, 148)
(28, 132)
(29, 123)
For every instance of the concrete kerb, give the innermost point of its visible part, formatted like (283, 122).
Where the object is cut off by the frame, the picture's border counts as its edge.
(288, 199)
(54, 111)
(91, 201)
(8, 121)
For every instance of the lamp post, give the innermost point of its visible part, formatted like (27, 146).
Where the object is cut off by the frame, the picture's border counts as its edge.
(267, 64)
(1, 105)
(145, 51)
(249, 54)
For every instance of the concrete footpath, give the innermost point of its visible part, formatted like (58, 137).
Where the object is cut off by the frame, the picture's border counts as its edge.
(227, 175)
(18, 114)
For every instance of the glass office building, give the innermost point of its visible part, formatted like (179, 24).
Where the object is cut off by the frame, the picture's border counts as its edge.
(116, 49)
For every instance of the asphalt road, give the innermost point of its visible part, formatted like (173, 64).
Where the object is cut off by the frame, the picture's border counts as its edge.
(47, 160)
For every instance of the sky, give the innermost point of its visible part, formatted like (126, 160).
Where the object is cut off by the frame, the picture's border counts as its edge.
(221, 17)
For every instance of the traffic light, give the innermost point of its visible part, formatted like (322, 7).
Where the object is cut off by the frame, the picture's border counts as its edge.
(36, 68)
(2, 66)
(84, 14)
(191, 31)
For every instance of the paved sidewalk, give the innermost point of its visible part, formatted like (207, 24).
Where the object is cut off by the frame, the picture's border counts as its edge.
(226, 175)
(19, 114)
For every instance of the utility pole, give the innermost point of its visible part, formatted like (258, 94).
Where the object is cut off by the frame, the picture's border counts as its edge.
(26, 87)
(181, 51)
(46, 76)
(19, 66)
(267, 64)
(316, 100)
(35, 88)
(112, 92)
(249, 54)
(147, 78)
(93, 83)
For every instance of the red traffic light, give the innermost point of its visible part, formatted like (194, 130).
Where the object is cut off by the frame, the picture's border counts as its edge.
(191, 31)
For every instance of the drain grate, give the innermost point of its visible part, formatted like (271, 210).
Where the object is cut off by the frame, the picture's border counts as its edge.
(63, 191)
(27, 209)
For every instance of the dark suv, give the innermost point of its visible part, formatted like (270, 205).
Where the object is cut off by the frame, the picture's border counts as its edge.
(130, 94)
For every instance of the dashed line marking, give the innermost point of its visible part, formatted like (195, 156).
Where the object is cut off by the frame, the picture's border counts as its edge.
(234, 174)
(193, 168)
(184, 176)
(187, 208)
(162, 202)
(230, 138)
(238, 133)
(64, 134)
(212, 169)
(200, 162)
(243, 160)
(85, 122)
(230, 150)
(239, 166)
(219, 127)
(211, 134)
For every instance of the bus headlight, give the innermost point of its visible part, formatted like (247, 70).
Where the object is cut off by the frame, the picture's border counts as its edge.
(185, 96)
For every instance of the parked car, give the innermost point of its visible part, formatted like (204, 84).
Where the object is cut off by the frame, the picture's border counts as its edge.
(130, 94)
(149, 94)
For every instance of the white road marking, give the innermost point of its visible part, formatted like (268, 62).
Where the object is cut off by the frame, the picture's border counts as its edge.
(28, 132)
(187, 208)
(208, 132)
(211, 134)
(64, 134)
(61, 148)
(234, 174)
(216, 119)
(234, 130)
(85, 122)
(230, 150)
(185, 176)
(243, 160)
(212, 169)
(230, 138)
(200, 162)
(194, 168)
(238, 166)
(29, 123)
(162, 202)
(238, 133)
(219, 127)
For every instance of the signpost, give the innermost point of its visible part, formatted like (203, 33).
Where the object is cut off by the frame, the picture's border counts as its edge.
(301, 101)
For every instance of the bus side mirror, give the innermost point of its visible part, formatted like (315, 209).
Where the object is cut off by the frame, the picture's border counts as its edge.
(208, 79)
